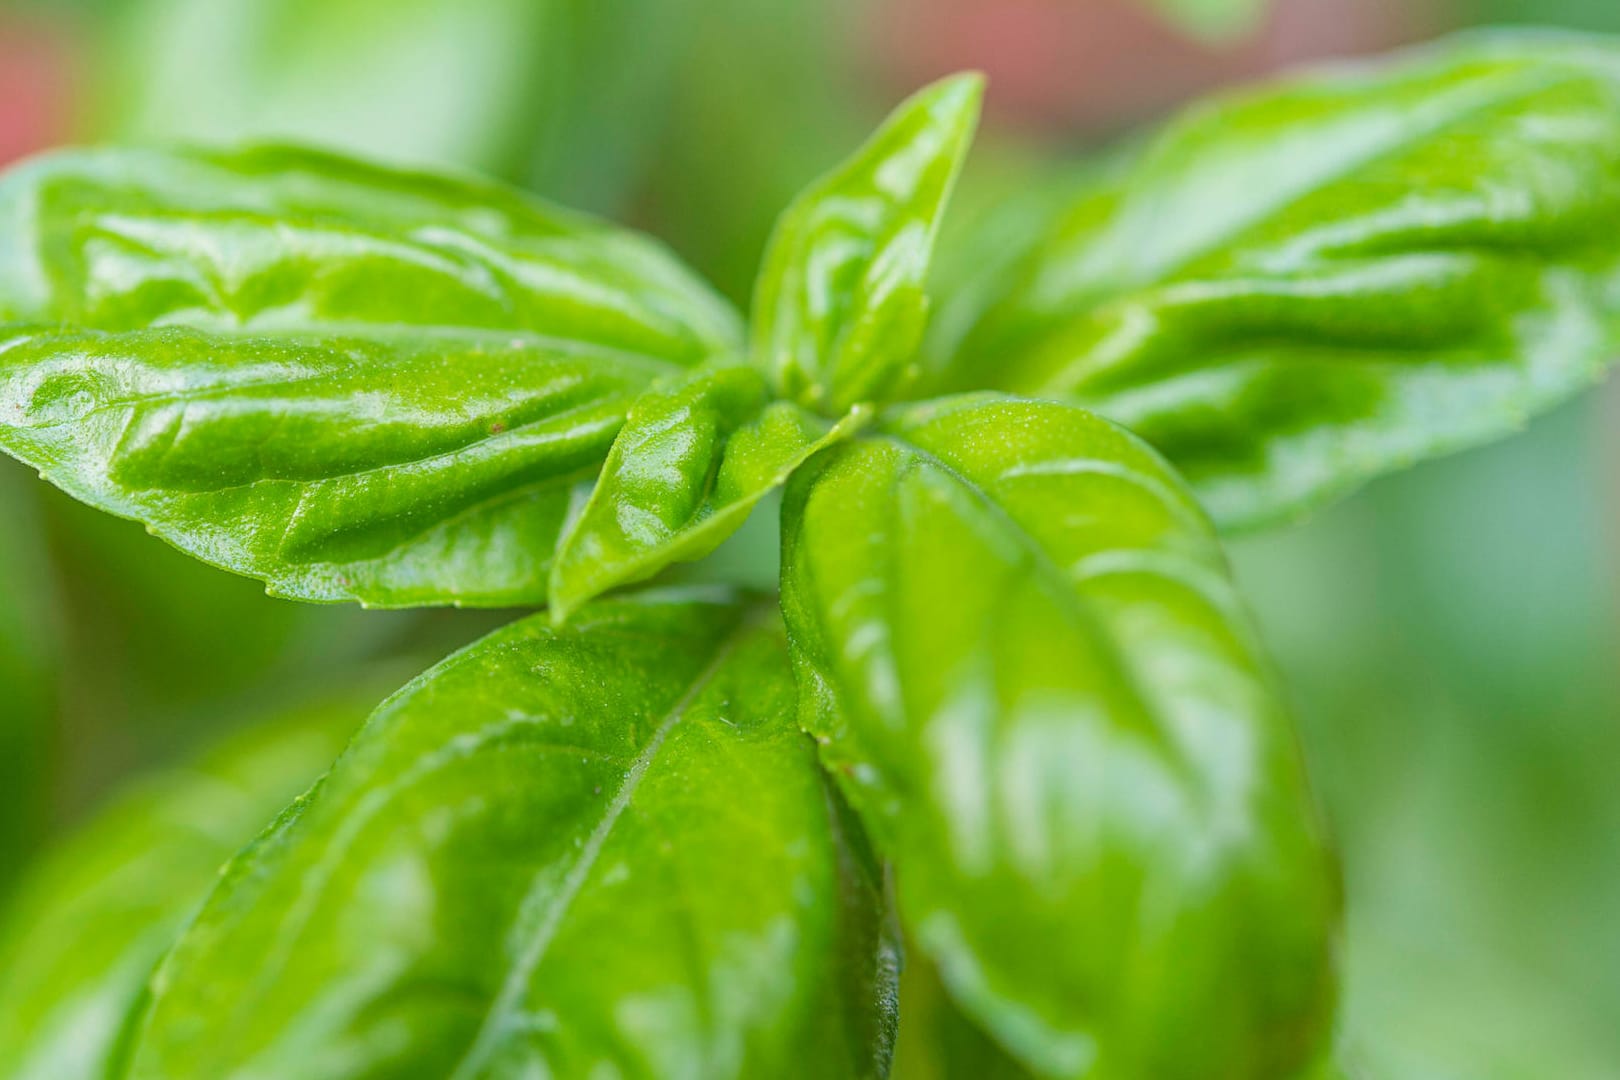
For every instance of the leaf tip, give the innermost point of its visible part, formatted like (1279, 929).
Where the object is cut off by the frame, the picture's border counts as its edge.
(956, 97)
(562, 602)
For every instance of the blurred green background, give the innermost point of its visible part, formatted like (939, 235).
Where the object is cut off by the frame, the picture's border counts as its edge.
(1449, 636)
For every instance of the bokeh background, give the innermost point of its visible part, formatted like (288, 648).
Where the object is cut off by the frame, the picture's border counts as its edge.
(1450, 636)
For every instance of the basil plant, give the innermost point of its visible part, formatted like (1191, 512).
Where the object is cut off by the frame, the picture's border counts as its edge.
(1007, 709)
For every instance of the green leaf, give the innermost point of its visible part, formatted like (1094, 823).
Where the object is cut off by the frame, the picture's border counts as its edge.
(349, 382)
(840, 304)
(442, 82)
(1019, 645)
(690, 464)
(94, 918)
(936, 1041)
(1296, 289)
(1213, 20)
(601, 851)
(30, 663)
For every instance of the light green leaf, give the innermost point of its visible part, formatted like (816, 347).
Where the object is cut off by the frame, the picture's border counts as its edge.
(690, 464)
(1296, 289)
(437, 82)
(349, 382)
(601, 851)
(1019, 645)
(530, 90)
(840, 304)
(1214, 20)
(94, 918)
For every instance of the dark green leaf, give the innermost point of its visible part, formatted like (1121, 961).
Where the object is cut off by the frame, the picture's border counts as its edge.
(936, 1041)
(1021, 650)
(691, 462)
(600, 851)
(840, 304)
(29, 669)
(95, 917)
(349, 382)
(1293, 290)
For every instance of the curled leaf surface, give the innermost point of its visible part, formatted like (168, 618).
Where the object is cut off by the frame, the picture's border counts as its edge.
(841, 304)
(1019, 645)
(1292, 290)
(604, 850)
(691, 462)
(350, 382)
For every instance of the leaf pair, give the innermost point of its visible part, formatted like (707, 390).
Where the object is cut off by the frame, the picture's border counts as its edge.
(609, 845)
(839, 310)
(396, 388)
(357, 384)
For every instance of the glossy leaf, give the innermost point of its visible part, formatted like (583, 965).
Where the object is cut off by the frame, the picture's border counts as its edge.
(350, 382)
(840, 303)
(95, 917)
(1293, 290)
(600, 851)
(689, 465)
(1018, 643)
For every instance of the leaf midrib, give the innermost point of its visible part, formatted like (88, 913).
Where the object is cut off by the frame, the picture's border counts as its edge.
(334, 337)
(1065, 593)
(521, 972)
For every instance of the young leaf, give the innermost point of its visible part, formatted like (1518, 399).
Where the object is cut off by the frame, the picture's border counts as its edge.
(690, 463)
(1291, 291)
(349, 382)
(93, 919)
(840, 305)
(601, 851)
(1018, 643)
